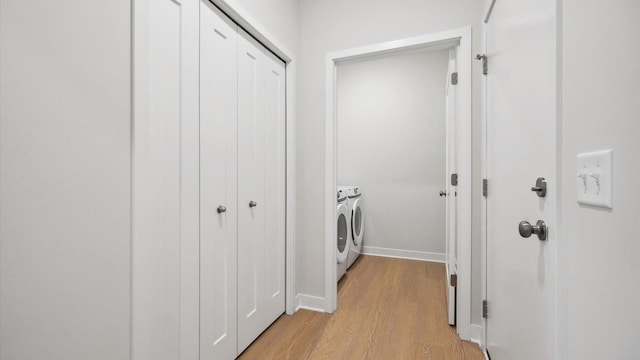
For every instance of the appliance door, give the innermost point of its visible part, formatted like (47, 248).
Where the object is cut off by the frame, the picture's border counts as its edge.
(343, 233)
(357, 222)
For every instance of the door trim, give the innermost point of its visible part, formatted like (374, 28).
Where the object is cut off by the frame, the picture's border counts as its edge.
(435, 41)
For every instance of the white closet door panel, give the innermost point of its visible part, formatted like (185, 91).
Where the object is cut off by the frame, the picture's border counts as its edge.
(250, 189)
(165, 180)
(274, 150)
(218, 184)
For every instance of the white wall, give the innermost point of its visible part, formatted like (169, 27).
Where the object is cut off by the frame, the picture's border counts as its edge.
(391, 143)
(65, 179)
(278, 17)
(601, 252)
(332, 25)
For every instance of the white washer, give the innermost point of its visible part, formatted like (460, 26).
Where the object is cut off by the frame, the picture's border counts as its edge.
(356, 212)
(343, 236)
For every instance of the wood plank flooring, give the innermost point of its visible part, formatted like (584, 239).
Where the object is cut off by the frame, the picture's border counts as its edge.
(387, 309)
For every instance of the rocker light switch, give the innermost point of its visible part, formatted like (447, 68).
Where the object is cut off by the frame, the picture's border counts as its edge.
(594, 178)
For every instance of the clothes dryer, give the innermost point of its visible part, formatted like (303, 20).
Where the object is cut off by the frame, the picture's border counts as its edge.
(356, 214)
(343, 235)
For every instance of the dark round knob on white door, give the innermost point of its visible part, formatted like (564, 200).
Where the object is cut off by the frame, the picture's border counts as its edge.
(221, 209)
(253, 204)
(526, 229)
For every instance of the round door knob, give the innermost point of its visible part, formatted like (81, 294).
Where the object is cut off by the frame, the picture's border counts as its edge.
(526, 229)
(442, 193)
(221, 209)
(253, 204)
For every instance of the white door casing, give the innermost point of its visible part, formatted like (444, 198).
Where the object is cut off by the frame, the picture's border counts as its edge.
(165, 244)
(218, 184)
(521, 146)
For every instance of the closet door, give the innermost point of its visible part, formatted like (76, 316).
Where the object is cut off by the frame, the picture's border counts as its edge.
(218, 184)
(275, 196)
(251, 190)
(261, 189)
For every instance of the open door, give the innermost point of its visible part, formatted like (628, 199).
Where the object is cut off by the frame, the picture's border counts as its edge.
(521, 147)
(450, 181)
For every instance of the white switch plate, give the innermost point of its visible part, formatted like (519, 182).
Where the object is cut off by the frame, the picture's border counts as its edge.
(594, 178)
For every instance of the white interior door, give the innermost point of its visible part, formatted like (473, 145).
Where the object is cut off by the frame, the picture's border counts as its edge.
(218, 184)
(451, 198)
(251, 191)
(275, 184)
(521, 146)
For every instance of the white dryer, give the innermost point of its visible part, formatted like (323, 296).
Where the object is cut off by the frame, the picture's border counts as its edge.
(342, 243)
(356, 211)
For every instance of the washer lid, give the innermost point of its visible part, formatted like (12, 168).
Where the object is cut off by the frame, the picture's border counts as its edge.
(357, 221)
(342, 248)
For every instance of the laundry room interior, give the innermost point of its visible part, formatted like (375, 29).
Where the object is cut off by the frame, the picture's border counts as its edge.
(319, 179)
(391, 139)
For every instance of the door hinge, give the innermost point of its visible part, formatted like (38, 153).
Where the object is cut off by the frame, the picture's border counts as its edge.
(454, 179)
(454, 78)
(485, 309)
(453, 282)
(485, 187)
(485, 63)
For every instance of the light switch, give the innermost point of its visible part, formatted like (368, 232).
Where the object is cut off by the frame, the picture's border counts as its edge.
(594, 178)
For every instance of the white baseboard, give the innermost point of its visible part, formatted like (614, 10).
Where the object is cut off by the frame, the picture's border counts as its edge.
(403, 254)
(309, 302)
(475, 332)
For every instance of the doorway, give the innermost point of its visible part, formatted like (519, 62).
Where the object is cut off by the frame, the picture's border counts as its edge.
(460, 38)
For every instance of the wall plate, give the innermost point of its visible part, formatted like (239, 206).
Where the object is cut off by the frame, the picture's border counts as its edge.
(594, 178)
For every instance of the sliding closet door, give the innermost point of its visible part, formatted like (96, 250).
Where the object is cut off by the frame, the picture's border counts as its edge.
(275, 184)
(218, 184)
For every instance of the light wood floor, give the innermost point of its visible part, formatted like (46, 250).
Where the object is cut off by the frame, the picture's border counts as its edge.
(387, 309)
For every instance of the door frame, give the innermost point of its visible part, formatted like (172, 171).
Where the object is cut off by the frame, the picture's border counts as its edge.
(246, 21)
(440, 40)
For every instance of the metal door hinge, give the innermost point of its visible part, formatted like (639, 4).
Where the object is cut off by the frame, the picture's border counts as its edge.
(454, 78)
(454, 179)
(485, 63)
(485, 309)
(453, 282)
(485, 187)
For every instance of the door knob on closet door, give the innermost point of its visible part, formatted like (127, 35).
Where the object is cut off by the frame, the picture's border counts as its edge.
(526, 229)
(221, 209)
(442, 193)
(253, 203)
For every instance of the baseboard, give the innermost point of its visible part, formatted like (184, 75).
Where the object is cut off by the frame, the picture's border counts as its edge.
(475, 332)
(403, 254)
(309, 302)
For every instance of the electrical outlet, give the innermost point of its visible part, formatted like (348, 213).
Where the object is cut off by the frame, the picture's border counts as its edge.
(594, 178)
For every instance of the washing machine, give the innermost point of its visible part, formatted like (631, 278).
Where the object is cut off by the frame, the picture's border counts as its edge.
(342, 243)
(356, 215)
